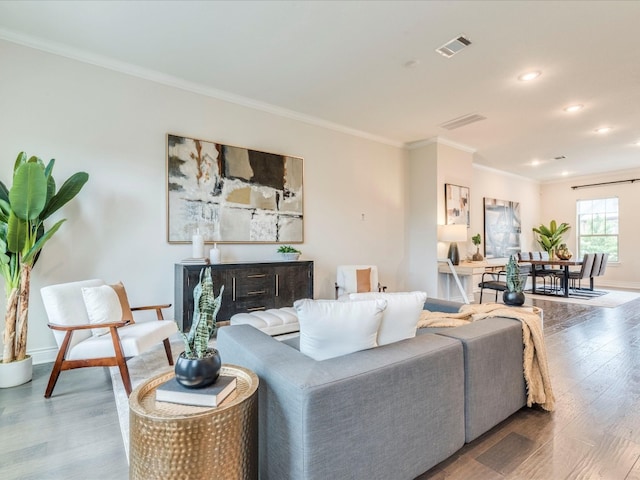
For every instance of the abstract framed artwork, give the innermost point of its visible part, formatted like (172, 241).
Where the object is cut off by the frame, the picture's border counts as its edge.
(456, 202)
(502, 228)
(232, 194)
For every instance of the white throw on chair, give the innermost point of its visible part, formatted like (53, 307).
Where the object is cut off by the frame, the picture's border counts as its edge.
(357, 279)
(93, 326)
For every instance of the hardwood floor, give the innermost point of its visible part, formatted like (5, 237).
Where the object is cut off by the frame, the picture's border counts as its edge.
(594, 356)
(75, 434)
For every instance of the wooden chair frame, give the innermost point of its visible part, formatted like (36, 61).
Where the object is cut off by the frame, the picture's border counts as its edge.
(118, 360)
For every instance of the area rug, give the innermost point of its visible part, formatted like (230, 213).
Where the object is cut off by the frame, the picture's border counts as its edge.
(141, 368)
(608, 298)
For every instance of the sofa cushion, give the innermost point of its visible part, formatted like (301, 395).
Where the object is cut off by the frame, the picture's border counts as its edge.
(127, 314)
(330, 328)
(400, 318)
(103, 306)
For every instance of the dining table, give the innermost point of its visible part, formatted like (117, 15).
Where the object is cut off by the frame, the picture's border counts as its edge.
(564, 264)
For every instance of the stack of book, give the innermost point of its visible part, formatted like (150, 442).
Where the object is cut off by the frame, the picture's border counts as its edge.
(210, 396)
(195, 261)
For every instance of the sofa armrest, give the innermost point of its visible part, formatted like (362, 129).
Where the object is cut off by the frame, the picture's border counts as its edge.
(389, 412)
(440, 305)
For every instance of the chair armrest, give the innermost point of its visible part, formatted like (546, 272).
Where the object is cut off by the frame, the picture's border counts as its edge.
(85, 326)
(157, 308)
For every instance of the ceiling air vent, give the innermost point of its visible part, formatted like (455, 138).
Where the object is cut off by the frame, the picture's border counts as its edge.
(559, 157)
(462, 121)
(452, 47)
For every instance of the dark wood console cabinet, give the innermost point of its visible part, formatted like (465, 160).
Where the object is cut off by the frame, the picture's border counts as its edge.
(248, 287)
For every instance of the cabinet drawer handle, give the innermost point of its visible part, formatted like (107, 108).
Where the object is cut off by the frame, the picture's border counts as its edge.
(255, 309)
(233, 288)
(257, 275)
(257, 292)
(277, 285)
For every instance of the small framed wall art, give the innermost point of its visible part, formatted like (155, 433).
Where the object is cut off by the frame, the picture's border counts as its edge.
(456, 202)
(232, 194)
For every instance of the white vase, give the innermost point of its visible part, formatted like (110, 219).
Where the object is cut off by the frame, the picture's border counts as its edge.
(16, 373)
(215, 256)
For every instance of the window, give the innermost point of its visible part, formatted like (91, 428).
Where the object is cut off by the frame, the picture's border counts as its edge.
(598, 227)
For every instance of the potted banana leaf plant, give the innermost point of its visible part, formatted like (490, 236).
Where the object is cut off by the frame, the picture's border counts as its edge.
(550, 238)
(24, 208)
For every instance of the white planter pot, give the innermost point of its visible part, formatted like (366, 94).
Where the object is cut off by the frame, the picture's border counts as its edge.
(288, 257)
(16, 373)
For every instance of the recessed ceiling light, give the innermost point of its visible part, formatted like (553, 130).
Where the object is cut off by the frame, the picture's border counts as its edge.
(535, 163)
(573, 108)
(602, 130)
(565, 173)
(525, 77)
(637, 143)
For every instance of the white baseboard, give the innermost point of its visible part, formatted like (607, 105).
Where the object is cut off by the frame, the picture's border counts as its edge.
(43, 355)
(617, 285)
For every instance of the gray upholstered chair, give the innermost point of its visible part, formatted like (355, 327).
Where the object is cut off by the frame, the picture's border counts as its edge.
(584, 272)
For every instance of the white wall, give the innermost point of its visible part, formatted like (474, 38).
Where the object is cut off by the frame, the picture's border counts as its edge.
(559, 203)
(113, 126)
(421, 214)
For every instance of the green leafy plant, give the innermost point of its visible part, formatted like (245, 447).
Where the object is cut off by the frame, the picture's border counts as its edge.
(23, 211)
(206, 306)
(287, 249)
(549, 238)
(514, 276)
(476, 239)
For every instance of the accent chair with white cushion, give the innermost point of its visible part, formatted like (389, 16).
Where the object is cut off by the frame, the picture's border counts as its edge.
(93, 326)
(357, 279)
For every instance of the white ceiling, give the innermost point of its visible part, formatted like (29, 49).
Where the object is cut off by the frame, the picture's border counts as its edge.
(342, 64)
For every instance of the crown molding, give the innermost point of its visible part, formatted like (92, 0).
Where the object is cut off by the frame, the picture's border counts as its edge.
(171, 81)
(440, 140)
(506, 174)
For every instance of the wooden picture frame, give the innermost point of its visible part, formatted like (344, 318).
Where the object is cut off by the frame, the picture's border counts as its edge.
(456, 203)
(232, 194)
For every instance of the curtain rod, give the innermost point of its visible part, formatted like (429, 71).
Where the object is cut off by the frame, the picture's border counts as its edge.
(631, 180)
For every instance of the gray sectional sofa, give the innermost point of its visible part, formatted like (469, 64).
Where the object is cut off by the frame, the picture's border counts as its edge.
(393, 411)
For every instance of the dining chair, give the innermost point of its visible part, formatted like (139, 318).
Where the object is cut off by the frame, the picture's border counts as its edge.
(93, 326)
(493, 282)
(544, 271)
(585, 270)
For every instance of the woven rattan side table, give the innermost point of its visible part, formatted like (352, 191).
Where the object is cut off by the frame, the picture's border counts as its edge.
(170, 441)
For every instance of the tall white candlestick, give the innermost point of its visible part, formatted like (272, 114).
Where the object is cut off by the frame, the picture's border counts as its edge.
(197, 244)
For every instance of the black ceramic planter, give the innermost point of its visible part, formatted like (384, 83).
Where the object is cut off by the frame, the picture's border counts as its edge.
(199, 372)
(515, 299)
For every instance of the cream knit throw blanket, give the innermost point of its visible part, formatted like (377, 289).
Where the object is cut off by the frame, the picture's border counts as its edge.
(536, 369)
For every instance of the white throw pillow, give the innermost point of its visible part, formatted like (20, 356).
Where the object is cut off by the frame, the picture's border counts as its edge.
(400, 318)
(330, 328)
(103, 306)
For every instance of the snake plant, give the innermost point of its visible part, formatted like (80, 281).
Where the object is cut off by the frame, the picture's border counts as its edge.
(513, 275)
(206, 306)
